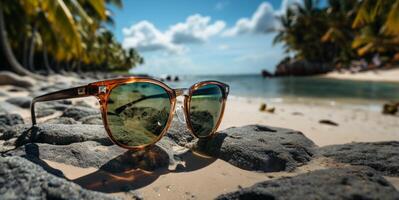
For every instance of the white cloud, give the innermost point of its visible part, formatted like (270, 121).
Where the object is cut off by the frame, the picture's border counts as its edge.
(144, 36)
(196, 29)
(261, 22)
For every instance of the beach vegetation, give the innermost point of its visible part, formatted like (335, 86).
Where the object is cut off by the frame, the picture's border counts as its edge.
(343, 34)
(57, 36)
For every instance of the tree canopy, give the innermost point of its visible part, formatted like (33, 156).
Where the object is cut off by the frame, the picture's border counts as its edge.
(61, 35)
(342, 32)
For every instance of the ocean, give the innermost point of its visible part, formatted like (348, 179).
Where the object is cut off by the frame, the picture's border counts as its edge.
(302, 88)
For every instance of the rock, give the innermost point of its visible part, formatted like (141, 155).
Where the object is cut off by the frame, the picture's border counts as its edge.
(328, 122)
(297, 113)
(22, 102)
(16, 89)
(58, 134)
(93, 119)
(83, 104)
(262, 107)
(8, 107)
(82, 154)
(93, 154)
(53, 106)
(390, 108)
(2, 110)
(2, 94)
(78, 112)
(382, 156)
(179, 133)
(336, 183)
(271, 110)
(44, 112)
(299, 67)
(266, 74)
(61, 120)
(261, 148)
(10, 120)
(9, 78)
(21, 179)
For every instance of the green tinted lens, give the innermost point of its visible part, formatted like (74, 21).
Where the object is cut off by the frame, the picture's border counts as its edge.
(137, 113)
(205, 109)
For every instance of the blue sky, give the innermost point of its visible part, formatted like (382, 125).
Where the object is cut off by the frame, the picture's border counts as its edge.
(201, 36)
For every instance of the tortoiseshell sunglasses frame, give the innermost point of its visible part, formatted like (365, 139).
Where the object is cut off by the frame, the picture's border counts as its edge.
(102, 89)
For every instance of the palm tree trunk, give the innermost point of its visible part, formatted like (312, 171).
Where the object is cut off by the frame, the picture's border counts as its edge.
(31, 63)
(25, 52)
(9, 55)
(46, 62)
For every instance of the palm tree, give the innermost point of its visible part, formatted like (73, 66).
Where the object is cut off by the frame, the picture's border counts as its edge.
(6, 48)
(62, 35)
(378, 21)
(340, 15)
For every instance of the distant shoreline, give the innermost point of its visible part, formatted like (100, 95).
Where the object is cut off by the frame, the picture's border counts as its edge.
(391, 75)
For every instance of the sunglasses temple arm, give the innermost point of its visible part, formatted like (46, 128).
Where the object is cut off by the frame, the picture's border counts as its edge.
(76, 92)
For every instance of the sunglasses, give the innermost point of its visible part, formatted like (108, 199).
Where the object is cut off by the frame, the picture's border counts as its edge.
(137, 111)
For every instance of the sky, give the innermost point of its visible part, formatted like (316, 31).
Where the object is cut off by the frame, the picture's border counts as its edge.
(201, 37)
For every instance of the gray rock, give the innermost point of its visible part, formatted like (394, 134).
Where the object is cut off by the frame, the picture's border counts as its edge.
(93, 119)
(336, 183)
(9, 78)
(58, 134)
(17, 89)
(260, 148)
(22, 102)
(93, 154)
(2, 94)
(7, 121)
(44, 112)
(83, 104)
(61, 120)
(60, 105)
(10, 120)
(78, 112)
(53, 106)
(82, 154)
(179, 133)
(21, 179)
(2, 110)
(8, 107)
(382, 156)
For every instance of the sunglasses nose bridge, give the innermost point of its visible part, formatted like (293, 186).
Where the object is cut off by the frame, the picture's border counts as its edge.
(181, 92)
(180, 114)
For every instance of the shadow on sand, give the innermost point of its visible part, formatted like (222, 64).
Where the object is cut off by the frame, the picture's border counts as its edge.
(134, 170)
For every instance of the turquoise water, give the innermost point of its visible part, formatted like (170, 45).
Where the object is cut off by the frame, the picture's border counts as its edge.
(301, 87)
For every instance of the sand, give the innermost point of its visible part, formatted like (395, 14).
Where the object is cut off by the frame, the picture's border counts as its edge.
(391, 75)
(355, 124)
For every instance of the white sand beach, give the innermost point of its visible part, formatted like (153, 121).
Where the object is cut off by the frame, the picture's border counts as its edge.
(391, 75)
